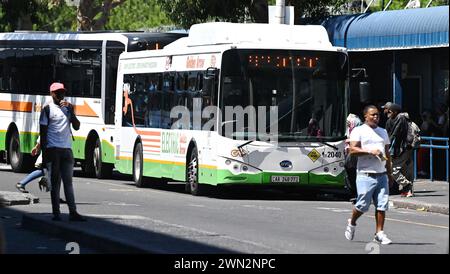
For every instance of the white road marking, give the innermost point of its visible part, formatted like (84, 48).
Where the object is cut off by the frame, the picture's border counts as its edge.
(195, 205)
(337, 210)
(116, 185)
(120, 204)
(124, 190)
(262, 207)
(121, 217)
(333, 209)
(415, 223)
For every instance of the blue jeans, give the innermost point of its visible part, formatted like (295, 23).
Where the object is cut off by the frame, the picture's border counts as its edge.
(373, 187)
(60, 166)
(30, 177)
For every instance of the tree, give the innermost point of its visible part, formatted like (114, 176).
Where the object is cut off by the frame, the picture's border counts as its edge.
(137, 14)
(92, 14)
(189, 12)
(17, 15)
(313, 11)
(56, 15)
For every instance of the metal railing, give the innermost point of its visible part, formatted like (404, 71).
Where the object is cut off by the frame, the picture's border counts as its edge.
(432, 146)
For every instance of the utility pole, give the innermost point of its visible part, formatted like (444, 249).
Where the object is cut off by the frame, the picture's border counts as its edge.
(280, 8)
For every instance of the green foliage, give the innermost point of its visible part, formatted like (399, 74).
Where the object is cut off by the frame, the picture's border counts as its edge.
(317, 9)
(137, 14)
(35, 15)
(189, 12)
(57, 17)
(17, 14)
(401, 4)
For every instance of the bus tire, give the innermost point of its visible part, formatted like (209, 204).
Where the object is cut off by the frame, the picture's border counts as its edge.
(102, 170)
(138, 164)
(192, 183)
(88, 165)
(20, 162)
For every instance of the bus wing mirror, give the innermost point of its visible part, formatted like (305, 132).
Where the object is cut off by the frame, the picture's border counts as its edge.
(364, 92)
(210, 80)
(364, 86)
(211, 72)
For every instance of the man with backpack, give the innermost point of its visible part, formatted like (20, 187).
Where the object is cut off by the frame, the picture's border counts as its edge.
(56, 144)
(404, 137)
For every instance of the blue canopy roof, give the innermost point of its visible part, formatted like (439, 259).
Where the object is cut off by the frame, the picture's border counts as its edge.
(397, 29)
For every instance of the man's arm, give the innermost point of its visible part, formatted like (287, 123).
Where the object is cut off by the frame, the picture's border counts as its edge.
(388, 165)
(43, 132)
(355, 149)
(73, 118)
(43, 127)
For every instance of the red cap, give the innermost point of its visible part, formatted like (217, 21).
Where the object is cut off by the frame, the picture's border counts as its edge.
(57, 86)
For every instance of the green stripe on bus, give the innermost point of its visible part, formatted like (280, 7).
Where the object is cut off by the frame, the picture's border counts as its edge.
(2, 140)
(226, 177)
(27, 141)
(108, 152)
(213, 176)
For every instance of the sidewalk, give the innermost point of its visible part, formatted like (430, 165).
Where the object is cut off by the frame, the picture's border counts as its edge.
(431, 196)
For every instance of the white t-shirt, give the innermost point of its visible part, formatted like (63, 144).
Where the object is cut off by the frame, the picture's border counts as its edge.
(370, 138)
(58, 134)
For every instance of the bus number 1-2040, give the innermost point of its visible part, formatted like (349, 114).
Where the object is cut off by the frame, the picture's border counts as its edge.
(333, 154)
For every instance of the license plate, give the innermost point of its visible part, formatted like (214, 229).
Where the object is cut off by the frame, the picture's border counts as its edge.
(285, 179)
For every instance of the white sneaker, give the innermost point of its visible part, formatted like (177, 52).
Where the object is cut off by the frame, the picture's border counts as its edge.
(350, 230)
(382, 238)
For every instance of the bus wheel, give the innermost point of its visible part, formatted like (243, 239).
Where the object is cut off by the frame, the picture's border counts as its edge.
(88, 165)
(138, 163)
(20, 162)
(102, 170)
(192, 184)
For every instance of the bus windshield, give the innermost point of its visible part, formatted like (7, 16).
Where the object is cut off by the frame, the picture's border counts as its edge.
(307, 87)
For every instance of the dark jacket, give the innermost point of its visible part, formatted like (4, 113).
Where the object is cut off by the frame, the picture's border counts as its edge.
(397, 130)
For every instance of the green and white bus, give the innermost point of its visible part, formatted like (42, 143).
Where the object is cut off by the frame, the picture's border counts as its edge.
(87, 64)
(188, 112)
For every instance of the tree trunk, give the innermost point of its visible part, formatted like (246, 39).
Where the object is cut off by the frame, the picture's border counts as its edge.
(88, 10)
(85, 15)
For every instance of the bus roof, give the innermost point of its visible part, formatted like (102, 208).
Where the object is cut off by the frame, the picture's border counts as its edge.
(133, 41)
(232, 33)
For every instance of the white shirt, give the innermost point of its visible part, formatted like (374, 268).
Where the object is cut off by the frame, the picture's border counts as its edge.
(58, 134)
(370, 138)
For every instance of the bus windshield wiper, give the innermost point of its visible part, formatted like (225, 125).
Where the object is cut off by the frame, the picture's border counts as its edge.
(328, 144)
(243, 145)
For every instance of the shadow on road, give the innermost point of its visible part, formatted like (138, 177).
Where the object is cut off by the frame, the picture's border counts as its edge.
(111, 234)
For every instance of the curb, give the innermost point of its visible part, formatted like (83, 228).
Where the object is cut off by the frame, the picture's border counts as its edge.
(82, 237)
(421, 206)
(8, 198)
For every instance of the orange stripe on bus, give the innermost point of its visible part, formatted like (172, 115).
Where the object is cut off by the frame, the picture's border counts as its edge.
(16, 106)
(154, 146)
(150, 140)
(148, 133)
(84, 110)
